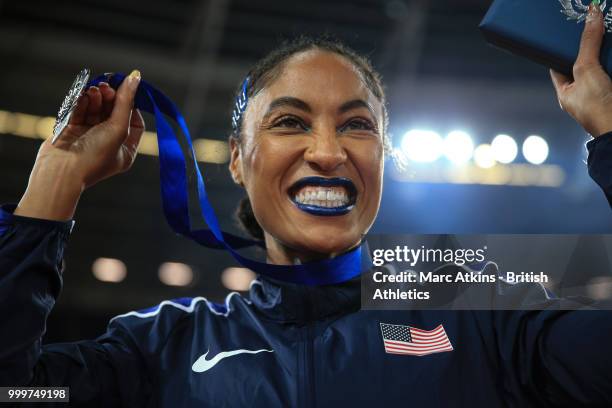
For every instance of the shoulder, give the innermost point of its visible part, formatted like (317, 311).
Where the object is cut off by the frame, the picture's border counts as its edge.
(185, 307)
(155, 324)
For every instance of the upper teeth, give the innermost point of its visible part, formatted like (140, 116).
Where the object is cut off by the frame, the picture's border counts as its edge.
(322, 196)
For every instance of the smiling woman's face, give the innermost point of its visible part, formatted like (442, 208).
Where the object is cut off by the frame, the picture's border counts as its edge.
(311, 157)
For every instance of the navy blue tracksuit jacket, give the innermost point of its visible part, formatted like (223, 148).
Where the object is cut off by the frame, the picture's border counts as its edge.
(293, 346)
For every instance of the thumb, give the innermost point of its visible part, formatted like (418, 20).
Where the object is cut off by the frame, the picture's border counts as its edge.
(592, 36)
(124, 101)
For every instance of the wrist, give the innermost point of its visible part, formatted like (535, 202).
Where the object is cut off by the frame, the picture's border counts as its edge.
(600, 125)
(52, 193)
(601, 130)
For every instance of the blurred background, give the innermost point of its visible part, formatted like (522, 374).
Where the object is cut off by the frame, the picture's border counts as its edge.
(489, 149)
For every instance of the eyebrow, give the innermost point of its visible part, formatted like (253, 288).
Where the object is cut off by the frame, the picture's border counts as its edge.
(355, 104)
(303, 106)
(288, 101)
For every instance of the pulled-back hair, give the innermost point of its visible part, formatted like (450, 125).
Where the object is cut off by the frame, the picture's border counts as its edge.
(269, 67)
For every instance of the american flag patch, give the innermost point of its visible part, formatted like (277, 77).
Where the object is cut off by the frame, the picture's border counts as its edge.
(408, 340)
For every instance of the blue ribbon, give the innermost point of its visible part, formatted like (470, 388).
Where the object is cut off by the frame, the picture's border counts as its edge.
(177, 169)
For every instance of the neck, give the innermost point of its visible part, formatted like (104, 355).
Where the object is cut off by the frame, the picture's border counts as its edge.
(279, 254)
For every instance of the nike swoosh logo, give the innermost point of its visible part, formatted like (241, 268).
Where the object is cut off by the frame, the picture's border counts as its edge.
(202, 364)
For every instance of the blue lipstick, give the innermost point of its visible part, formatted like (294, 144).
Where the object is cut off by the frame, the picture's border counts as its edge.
(325, 182)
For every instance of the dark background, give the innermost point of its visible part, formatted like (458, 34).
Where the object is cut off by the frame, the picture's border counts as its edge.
(438, 70)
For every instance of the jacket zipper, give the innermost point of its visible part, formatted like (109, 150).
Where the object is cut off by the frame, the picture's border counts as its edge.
(306, 389)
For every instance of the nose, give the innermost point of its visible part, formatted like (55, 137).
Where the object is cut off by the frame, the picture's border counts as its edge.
(325, 153)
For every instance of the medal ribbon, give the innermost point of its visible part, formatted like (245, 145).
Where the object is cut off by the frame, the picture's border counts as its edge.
(177, 170)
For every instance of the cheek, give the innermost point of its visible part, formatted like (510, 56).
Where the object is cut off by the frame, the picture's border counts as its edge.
(372, 173)
(264, 160)
(266, 163)
(370, 164)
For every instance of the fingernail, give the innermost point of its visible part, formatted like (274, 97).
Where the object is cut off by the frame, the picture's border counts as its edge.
(594, 11)
(134, 78)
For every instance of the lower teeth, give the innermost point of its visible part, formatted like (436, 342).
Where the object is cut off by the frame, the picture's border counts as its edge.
(322, 204)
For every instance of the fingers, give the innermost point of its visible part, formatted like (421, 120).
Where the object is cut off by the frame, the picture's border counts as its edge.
(108, 97)
(130, 145)
(78, 115)
(124, 100)
(592, 37)
(94, 110)
(137, 128)
(136, 120)
(93, 106)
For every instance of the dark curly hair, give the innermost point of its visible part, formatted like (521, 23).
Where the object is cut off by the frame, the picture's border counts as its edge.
(268, 68)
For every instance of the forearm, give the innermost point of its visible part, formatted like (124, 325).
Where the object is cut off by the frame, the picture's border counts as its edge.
(31, 252)
(599, 163)
(579, 378)
(105, 372)
(558, 357)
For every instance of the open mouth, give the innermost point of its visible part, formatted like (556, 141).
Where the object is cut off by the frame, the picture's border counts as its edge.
(324, 196)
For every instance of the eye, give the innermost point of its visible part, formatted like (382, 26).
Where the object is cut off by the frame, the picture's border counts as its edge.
(358, 124)
(290, 122)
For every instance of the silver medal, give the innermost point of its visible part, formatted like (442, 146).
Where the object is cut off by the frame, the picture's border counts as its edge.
(577, 10)
(70, 103)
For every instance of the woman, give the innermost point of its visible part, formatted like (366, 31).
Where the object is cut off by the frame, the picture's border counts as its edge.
(315, 121)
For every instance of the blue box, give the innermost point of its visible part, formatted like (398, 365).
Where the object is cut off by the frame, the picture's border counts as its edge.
(545, 31)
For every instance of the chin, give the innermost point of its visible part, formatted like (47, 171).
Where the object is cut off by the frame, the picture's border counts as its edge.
(326, 239)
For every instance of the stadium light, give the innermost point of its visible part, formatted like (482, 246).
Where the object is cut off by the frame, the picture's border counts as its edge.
(422, 146)
(483, 156)
(458, 147)
(175, 274)
(237, 278)
(535, 149)
(504, 148)
(109, 270)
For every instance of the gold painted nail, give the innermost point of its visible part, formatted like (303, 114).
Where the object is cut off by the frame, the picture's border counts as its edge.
(135, 74)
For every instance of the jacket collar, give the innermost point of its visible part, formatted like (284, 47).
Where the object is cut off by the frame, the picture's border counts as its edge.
(292, 303)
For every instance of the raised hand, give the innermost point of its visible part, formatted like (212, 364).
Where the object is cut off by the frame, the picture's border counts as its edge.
(587, 97)
(101, 140)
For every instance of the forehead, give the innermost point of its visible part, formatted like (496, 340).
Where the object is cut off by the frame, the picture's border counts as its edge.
(319, 78)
